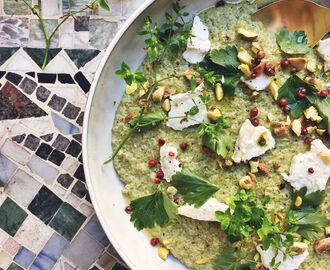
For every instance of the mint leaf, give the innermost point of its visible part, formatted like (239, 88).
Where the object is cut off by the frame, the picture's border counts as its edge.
(292, 43)
(148, 120)
(288, 92)
(226, 59)
(125, 73)
(323, 107)
(156, 208)
(195, 189)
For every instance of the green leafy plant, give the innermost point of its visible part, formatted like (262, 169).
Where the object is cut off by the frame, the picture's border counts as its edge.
(153, 209)
(216, 137)
(195, 189)
(36, 10)
(292, 43)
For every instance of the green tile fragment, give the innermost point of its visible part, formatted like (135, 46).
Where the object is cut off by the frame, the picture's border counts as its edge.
(37, 54)
(12, 7)
(6, 53)
(67, 221)
(45, 204)
(94, 268)
(14, 266)
(12, 216)
(118, 266)
(82, 57)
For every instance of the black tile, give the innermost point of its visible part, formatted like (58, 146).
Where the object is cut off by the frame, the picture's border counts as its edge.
(46, 78)
(77, 137)
(14, 78)
(79, 174)
(65, 180)
(42, 93)
(7, 52)
(71, 111)
(80, 158)
(118, 266)
(31, 74)
(28, 86)
(57, 103)
(19, 138)
(81, 23)
(74, 149)
(56, 157)
(44, 150)
(2, 73)
(47, 137)
(79, 189)
(32, 142)
(37, 54)
(45, 204)
(80, 119)
(82, 81)
(88, 198)
(61, 143)
(81, 57)
(65, 78)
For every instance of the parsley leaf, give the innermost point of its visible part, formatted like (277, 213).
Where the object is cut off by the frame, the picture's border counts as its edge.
(323, 107)
(126, 74)
(313, 199)
(228, 259)
(288, 92)
(216, 137)
(153, 209)
(226, 59)
(244, 215)
(195, 189)
(148, 120)
(292, 43)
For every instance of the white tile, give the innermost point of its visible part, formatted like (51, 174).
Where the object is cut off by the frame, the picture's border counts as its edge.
(86, 210)
(5, 259)
(92, 66)
(3, 237)
(61, 64)
(59, 191)
(15, 152)
(47, 172)
(7, 169)
(33, 234)
(22, 188)
(50, 8)
(41, 126)
(73, 200)
(70, 165)
(20, 61)
(81, 40)
(66, 37)
(115, 9)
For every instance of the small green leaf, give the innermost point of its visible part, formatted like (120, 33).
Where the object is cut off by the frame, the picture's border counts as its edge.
(292, 43)
(323, 107)
(148, 120)
(104, 4)
(193, 110)
(195, 189)
(314, 199)
(154, 209)
(226, 58)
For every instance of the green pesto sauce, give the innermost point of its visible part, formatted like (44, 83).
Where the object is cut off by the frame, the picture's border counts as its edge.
(187, 239)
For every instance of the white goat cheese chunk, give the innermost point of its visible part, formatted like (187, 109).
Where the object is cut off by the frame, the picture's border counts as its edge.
(168, 162)
(324, 51)
(181, 104)
(318, 158)
(206, 212)
(199, 44)
(290, 263)
(252, 142)
(259, 83)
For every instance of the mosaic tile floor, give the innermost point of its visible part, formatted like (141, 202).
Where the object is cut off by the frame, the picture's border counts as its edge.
(46, 217)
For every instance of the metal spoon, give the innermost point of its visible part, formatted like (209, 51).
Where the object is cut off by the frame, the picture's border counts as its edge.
(297, 15)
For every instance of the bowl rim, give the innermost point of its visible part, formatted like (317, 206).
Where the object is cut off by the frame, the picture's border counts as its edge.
(89, 103)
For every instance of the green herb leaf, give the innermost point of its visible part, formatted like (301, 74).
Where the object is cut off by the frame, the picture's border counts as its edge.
(104, 4)
(154, 209)
(193, 110)
(228, 259)
(148, 120)
(292, 43)
(288, 92)
(216, 137)
(323, 107)
(226, 59)
(195, 189)
(313, 199)
(245, 214)
(129, 77)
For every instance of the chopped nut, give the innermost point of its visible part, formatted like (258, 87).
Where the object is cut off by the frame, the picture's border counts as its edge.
(263, 139)
(245, 69)
(259, 69)
(261, 54)
(246, 34)
(130, 89)
(167, 242)
(320, 131)
(310, 80)
(254, 166)
(298, 63)
(246, 182)
(296, 127)
(311, 65)
(229, 163)
(141, 92)
(298, 201)
(276, 165)
(171, 190)
(214, 114)
(189, 73)
(253, 176)
(256, 47)
(244, 56)
(270, 117)
(166, 105)
(322, 245)
(203, 260)
(325, 157)
(263, 167)
(311, 130)
(299, 247)
(157, 96)
(280, 128)
(219, 93)
(163, 253)
(327, 230)
(273, 87)
(311, 113)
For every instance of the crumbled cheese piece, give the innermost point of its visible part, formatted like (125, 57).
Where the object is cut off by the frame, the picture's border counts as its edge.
(248, 144)
(311, 113)
(206, 212)
(290, 263)
(300, 176)
(296, 126)
(168, 162)
(259, 83)
(324, 51)
(199, 44)
(181, 105)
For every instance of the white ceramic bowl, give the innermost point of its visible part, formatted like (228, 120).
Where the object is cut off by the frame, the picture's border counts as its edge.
(103, 182)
